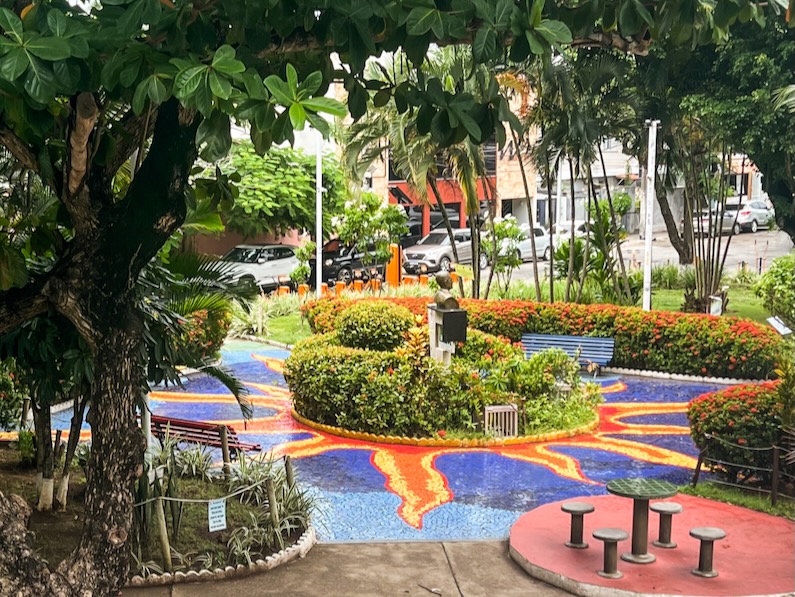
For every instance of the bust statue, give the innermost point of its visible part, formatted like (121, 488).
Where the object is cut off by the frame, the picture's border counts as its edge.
(443, 298)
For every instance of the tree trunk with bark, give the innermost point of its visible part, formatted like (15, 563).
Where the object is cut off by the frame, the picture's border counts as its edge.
(93, 285)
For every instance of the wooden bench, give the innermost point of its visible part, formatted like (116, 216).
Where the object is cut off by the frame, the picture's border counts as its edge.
(587, 349)
(196, 432)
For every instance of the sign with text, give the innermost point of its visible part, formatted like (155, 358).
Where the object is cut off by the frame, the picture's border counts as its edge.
(216, 515)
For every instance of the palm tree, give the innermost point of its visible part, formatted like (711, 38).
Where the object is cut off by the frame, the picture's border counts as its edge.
(415, 155)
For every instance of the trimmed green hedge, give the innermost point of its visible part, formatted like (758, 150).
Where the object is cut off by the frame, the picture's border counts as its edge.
(373, 326)
(656, 340)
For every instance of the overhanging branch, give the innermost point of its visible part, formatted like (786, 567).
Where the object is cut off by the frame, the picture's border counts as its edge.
(85, 117)
(598, 39)
(19, 149)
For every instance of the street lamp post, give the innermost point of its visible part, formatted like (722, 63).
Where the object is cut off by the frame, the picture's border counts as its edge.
(651, 168)
(319, 214)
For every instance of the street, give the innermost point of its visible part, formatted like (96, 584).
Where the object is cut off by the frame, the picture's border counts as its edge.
(764, 245)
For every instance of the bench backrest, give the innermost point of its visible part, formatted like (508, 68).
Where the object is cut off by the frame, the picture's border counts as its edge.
(194, 427)
(593, 349)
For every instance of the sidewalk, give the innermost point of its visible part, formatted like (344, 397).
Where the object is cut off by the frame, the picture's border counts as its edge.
(453, 569)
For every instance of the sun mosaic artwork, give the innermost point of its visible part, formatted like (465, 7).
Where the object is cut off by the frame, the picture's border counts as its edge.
(379, 491)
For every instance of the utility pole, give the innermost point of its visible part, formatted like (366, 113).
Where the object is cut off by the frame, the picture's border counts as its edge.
(651, 168)
(319, 214)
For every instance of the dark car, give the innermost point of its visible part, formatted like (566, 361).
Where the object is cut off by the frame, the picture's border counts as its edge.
(343, 264)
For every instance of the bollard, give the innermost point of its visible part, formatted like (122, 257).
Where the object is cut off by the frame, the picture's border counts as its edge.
(324, 291)
(339, 288)
(283, 290)
(303, 290)
(358, 285)
(409, 280)
(424, 280)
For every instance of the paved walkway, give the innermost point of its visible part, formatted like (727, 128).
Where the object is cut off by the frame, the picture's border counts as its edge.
(452, 569)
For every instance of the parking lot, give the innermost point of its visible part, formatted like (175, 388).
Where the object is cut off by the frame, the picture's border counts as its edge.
(756, 250)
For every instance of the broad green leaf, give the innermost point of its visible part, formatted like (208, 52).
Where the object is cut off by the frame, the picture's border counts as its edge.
(11, 24)
(49, 48)
(325, 104)
(297, 117)
(187, 81)
(555, 32)
(224, 61)
(504, 12)
(156, 90)
(644, 13)
(470, 125)
(40, 82)
(312, 83)
(204, 98)
(214, 133)
(318, 123)
(279, 90)
(536, 47)
(57, 23)
(12, 267)
(220, 86)
(536, 11)
(381, 98)
(254, 86)
(292, 79)
(422, 19)
(139, 97)
(485, 44)
(14, 64)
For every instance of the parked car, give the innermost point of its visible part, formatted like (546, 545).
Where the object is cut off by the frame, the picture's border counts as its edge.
(525, 252)
(267, 266)
(752, 215)
(562, 231)
(435, 252)
(342, 263)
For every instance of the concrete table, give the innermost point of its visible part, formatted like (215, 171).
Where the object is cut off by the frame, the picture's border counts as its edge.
(641, 491)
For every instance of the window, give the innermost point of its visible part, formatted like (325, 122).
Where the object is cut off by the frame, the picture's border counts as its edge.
(282, 253)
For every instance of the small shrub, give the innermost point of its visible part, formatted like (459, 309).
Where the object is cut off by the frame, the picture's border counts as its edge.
(194, 463)
(204, 332)
(373, 325)
(482, 348)
(777, 288)
(743, 416)
(26, 445)
(666, 276)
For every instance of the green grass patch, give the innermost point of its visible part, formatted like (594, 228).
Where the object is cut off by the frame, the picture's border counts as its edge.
(747, 499)
(287, 329)
(742, 303)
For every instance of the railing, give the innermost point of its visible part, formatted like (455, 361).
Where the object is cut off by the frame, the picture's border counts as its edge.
(502, 420)
(775, 471)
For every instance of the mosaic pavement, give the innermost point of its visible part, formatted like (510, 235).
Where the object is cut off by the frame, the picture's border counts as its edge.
(368, 491)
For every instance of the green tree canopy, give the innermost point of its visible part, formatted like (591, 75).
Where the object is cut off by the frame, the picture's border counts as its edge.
(275, 192)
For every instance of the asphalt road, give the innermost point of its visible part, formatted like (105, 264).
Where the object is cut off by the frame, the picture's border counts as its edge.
(764, 245)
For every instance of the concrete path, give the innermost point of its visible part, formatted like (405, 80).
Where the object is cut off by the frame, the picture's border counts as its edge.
(449, 569)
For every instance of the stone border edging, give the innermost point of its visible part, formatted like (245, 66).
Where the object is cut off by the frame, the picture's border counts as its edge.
(681, 377)
(433, 442)
(298, 550)
(259, 340)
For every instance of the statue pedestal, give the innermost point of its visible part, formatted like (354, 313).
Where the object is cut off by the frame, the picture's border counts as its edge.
(446, 327)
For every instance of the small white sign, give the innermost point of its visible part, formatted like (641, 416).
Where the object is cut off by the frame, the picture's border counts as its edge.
(216, 515)
(447, 346)
(779, 325)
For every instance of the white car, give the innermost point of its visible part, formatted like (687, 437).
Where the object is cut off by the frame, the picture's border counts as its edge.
(562, 231)
(524, 248)
(752, 215)
(269, 266)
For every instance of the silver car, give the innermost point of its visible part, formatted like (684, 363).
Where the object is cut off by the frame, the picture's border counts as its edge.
(752, 216)
(435, 253)
(269, 266)
(524, 248)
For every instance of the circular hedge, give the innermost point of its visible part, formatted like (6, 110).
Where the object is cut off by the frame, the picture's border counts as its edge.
(373, 326)
(405, 393)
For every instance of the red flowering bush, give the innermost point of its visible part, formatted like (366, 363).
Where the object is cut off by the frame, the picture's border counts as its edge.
(659, 340)
(204, 332)
(481, 347)
(739, 417)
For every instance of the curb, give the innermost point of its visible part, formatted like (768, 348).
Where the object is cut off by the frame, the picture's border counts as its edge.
(259, 340)
(682, 377)
(298, 550)
(433, 442)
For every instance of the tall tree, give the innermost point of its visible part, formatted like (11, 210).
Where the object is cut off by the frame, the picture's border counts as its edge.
(85, 88)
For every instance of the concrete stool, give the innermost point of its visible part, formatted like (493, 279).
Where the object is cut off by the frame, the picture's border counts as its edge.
(577, 510)
(666, 510)
(707, 536)
(611, 537)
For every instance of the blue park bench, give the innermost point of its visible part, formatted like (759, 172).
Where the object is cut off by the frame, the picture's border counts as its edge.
(586, 349)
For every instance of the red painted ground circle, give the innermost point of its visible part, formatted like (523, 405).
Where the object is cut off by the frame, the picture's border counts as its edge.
(757, 557)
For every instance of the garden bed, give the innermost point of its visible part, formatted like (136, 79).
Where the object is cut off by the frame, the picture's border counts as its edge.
(689, 344)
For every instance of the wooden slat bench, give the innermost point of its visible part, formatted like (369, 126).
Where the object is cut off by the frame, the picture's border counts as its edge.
(196, 432)
(587, 349)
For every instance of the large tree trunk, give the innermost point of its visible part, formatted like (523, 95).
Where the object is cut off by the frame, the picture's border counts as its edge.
(93, 285)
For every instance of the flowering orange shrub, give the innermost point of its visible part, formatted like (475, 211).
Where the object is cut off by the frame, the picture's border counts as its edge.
(665, 341)
(744, 416)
